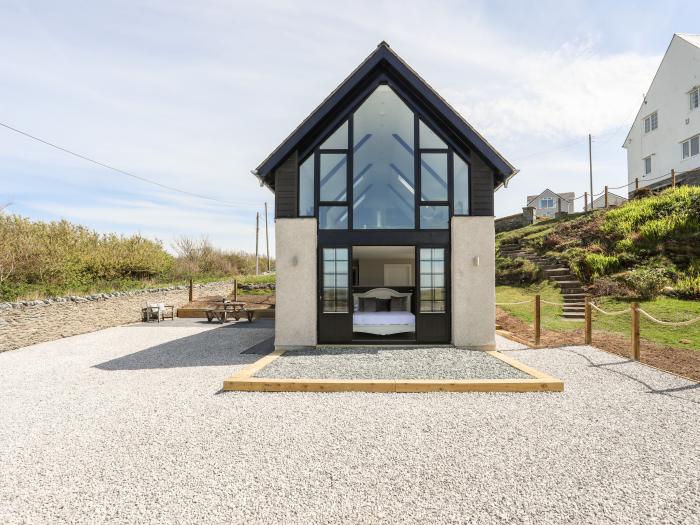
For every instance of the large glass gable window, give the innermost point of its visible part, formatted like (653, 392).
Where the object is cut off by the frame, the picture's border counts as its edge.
(383, 171)
(383, 168)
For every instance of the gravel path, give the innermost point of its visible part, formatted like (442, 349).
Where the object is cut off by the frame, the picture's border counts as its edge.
(390, 363)
(129, 425)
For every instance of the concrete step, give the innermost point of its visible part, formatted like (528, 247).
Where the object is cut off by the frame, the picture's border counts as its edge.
(577, 309)
(564, 278)
(574, 303)
(567, 283)
(557, 271)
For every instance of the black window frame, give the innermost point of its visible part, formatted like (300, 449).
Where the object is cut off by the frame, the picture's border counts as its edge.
(418, 115)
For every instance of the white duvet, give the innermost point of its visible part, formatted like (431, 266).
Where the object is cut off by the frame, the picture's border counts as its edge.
(382, 318)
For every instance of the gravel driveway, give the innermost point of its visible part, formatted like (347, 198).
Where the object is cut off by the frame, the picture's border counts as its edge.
(129, 425)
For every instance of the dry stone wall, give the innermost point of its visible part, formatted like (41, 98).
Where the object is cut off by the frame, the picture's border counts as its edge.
(26, 323)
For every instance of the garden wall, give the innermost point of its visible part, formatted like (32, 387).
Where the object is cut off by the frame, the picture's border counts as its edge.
(28, 322)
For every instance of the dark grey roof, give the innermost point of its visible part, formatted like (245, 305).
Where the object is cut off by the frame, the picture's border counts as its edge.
(385, 57)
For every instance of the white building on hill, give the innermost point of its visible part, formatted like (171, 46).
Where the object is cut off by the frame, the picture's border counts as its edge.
(665, 134)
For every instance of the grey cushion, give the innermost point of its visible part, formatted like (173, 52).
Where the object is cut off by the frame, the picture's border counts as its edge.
(383, 305)
(398, 304)
(368, 304)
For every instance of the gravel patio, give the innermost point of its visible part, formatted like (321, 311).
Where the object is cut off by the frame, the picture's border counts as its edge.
(129, 424)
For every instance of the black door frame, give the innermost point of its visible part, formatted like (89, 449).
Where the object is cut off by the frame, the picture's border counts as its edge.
(347, 317)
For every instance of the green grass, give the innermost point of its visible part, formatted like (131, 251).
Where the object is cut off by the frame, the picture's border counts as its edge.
(550, 315)
(664, 308)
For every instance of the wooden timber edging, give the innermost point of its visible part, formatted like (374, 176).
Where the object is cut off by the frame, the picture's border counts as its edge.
(244, 380)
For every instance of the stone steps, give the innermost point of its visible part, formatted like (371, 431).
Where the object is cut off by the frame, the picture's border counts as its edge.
(560, 274)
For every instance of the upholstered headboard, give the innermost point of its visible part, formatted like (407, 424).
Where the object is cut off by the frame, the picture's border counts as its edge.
(382, 293)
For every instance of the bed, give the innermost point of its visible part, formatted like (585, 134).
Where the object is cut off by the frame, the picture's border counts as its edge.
(383, 322)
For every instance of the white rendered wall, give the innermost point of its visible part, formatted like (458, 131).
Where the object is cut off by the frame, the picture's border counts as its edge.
(295, 260)
(678, 73)
(473, 287)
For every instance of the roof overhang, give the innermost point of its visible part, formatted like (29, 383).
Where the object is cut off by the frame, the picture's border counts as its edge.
(384, 62)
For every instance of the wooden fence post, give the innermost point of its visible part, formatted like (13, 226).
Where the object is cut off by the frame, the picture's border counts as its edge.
(673, 178)
(636, 183)
(191, 294)
(585, 201)
(538, 320)
(635, 332)
(235, 290)
(606, 197)
(589, 323)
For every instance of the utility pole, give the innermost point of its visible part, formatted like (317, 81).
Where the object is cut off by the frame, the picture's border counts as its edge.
(590, 168)
(257, 230)
(267, 240)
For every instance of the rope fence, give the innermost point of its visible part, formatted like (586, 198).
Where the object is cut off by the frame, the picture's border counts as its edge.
(635, 311)
(619, 312)
(668, 323)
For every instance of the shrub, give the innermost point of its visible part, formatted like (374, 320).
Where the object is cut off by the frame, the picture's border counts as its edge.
(687, 288)
(516, 271)
(598, 265)
(646, 282)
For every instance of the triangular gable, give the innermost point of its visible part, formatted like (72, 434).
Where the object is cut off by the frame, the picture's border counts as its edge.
(693, 40)
(383, 59)
(554, 194)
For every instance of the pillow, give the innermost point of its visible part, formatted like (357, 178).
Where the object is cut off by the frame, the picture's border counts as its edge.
(368, 304)
(383, 305)
(398, 304)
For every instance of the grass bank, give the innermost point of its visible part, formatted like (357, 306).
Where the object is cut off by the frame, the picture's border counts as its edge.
(664, 308)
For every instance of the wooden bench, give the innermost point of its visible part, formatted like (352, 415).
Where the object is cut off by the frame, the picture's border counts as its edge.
(229, 309)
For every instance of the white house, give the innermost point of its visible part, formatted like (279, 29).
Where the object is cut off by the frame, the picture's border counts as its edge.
(548, 203)
(665, 134)
(384, 217)
(613, 200)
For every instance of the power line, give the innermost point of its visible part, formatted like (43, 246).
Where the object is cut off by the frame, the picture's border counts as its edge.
(128, 174)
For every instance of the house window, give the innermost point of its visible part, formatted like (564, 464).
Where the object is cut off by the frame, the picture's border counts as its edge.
(647, 165)
(694, 96)
(433, 177)
(547, 202)
(461, 186)
(691, 147)
(306, 188)
(383, 168)
(434, 213)
(334, 177)
(434, 217)
(651, 122)
(432, 280)
(383, 163)
(335, 280)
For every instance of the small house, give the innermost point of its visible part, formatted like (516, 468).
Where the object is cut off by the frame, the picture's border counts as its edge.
(384, 215)
(548, 203)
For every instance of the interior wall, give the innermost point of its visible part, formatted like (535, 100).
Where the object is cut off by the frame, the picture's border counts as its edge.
(372, 270)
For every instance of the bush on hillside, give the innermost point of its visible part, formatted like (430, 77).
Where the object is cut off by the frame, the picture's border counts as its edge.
(647, 283)
(516, 271)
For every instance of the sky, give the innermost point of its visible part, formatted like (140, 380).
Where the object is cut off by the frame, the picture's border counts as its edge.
(194, 95)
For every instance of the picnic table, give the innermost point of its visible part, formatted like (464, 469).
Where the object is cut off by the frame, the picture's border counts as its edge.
(226, 309)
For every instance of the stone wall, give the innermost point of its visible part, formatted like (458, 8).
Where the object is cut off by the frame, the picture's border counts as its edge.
(513, 222)
(28, 322)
